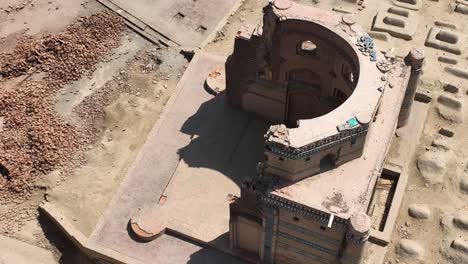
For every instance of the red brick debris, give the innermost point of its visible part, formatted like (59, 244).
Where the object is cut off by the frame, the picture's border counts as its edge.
(34, 139)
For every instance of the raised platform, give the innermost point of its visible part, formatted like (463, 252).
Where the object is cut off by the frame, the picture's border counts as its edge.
(197, 154)
(191, 136)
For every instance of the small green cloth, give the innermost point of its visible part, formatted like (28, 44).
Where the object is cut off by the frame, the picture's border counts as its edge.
(353, 122)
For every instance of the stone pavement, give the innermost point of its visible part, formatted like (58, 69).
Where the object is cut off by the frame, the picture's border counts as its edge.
(224, 152)
(215, 143)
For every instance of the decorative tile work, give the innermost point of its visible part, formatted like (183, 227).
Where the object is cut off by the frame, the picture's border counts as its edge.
(318, 146)
(303, 210)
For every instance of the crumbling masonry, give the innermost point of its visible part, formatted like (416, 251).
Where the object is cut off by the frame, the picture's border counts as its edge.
(319, 78)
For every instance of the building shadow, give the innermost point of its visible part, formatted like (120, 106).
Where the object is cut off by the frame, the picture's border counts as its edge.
(224, 139)
(210, 255)
(229, 141)
(69, 253)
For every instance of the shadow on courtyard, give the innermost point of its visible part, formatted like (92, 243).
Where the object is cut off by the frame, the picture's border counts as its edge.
(209, 255)
(229, 141)
(224, 139)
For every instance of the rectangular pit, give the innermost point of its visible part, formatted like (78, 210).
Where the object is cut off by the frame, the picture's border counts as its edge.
(383, 197)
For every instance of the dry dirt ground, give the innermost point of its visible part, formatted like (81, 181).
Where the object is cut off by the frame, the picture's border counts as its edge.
(100, 115)
(122, 97)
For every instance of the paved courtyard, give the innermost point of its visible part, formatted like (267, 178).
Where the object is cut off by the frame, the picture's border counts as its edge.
(198, 154)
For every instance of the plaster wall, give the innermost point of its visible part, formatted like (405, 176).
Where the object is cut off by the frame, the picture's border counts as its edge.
(241, 66)
(248, 234)
(327, 67)
(304, 240)
(266, 99)
(279, 81)
(245, 223)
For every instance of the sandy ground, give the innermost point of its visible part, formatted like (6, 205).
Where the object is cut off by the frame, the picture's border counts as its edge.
(39, 16)
(32, 18)
(14, 251)
(132, 85)
(436, 183)
(126, 122)
(439, 178)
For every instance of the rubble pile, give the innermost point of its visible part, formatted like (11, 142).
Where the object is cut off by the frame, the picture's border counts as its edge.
(67, 55)
(34, 139)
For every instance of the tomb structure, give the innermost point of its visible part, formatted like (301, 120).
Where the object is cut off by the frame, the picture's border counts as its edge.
(319, 78)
